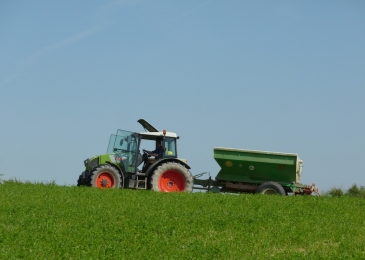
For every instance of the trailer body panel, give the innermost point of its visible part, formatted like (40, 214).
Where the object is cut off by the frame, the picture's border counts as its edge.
(251, 166)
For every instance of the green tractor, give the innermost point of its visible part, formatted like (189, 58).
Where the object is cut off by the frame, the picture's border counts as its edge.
(124, 166)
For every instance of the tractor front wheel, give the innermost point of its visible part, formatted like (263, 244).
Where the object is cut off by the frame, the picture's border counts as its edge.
(271, 188)
(82, 181)
(172, 177)
(105, 176)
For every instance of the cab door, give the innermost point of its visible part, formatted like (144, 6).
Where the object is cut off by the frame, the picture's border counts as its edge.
(125, 146)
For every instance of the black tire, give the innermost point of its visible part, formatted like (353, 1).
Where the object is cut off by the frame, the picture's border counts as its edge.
(171, 177)
(271, 188)
(82, 181)
(105, 176)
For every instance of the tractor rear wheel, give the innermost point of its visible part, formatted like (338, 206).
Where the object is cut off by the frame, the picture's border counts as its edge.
(105, 176)
(172, 177)
(271, 188)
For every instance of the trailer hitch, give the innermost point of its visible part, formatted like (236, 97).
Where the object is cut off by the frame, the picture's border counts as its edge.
(208, 184)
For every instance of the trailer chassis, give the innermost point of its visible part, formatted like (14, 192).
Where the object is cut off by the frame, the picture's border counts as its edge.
(227, 186)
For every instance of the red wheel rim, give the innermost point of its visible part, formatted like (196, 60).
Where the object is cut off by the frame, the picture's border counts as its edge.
(171, 181)
(105, 180)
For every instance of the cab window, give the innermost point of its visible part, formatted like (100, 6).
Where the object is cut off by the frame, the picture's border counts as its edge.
(170, 147)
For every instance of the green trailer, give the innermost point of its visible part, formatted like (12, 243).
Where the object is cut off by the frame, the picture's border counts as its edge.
(256, 172)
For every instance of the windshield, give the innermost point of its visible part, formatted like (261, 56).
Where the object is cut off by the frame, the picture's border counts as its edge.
(125, 145)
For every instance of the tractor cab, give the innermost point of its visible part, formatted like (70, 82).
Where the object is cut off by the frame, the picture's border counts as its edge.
(168, 138)
(126, 147)
(148, 142)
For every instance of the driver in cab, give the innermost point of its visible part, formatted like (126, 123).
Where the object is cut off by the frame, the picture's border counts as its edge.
(158, 152)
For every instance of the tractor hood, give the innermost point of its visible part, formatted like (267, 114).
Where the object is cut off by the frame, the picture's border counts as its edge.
(147, 126)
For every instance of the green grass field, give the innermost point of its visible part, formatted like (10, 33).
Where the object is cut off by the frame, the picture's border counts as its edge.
(40, 221)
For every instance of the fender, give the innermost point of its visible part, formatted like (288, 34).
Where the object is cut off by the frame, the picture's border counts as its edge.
(159, 162)
(118, 168)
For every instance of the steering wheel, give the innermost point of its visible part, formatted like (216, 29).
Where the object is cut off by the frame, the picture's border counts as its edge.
(146, 152)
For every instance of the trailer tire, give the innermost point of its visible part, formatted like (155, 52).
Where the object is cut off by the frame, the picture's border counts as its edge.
(271, 188)
(105, 176)
(171, 177)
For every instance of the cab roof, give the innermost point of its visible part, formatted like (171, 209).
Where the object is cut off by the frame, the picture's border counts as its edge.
(152, 132)
(156, 135)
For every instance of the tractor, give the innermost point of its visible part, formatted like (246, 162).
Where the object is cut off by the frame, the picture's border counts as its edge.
(124, 166)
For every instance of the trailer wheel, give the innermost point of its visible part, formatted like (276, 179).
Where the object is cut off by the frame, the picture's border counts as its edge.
(172, 177)
(271, 188)
(105, 176)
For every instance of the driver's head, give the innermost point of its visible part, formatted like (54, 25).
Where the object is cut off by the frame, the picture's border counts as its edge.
(158, 143)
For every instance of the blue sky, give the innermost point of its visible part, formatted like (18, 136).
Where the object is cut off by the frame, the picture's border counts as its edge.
(284, 76)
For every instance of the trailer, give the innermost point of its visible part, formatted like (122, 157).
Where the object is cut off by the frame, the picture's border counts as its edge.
(252, 171)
